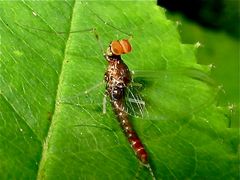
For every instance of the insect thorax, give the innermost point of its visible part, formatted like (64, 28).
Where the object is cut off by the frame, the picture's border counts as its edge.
(117, 78)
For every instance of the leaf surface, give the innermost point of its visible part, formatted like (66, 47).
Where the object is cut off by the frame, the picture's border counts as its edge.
(44, 136)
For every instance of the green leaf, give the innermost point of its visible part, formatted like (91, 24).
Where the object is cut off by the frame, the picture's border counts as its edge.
(49, 128)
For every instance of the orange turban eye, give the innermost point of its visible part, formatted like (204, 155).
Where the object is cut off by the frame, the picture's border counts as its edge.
(126, 46)
(120, 47)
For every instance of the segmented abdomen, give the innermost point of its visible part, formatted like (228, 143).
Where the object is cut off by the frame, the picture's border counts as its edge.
(118, 78)
(137, 146)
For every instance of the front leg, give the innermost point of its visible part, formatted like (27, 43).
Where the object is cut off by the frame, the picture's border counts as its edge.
(105, 102)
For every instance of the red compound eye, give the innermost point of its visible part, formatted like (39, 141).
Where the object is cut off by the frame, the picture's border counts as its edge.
(120, 47)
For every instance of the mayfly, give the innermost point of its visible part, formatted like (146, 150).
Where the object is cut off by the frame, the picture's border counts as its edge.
(118, 78)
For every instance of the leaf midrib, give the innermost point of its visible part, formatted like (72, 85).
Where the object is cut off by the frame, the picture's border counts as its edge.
(55, 108)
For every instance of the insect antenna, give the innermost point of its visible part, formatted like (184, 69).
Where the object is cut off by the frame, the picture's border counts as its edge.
(108, 24)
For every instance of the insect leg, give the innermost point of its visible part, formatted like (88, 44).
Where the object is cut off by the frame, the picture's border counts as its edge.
(53, 31)
(104, 103)
(94, 87)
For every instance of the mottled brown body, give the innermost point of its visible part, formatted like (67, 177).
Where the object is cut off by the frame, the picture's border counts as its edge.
(117, 79)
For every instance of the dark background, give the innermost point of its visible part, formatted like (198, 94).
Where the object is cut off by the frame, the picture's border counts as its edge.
(215, 24)
(214, 14)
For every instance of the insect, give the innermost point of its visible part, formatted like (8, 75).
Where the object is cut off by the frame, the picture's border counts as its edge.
(117, 78)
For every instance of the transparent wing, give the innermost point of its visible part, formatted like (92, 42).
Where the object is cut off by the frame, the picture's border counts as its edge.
(134, 101)
(171, 94)
(156, 95)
